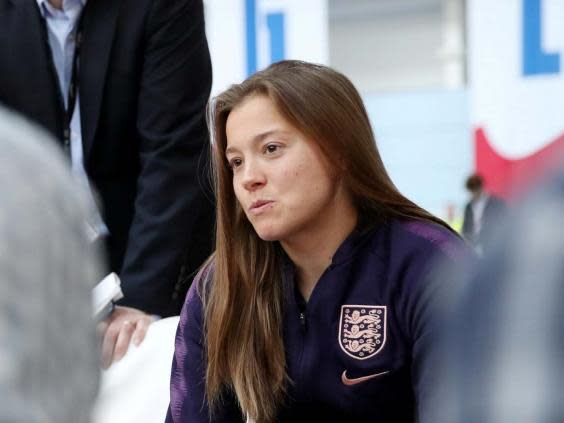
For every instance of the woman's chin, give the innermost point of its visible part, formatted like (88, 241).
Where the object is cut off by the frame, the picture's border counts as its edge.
(268, 234)
(268, 237)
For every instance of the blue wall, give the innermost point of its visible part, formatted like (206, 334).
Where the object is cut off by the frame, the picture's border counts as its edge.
(425, 141)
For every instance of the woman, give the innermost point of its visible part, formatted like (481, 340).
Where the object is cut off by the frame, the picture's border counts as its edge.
(314, 302)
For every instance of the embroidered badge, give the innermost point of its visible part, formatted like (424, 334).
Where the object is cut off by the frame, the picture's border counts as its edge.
(362, 330)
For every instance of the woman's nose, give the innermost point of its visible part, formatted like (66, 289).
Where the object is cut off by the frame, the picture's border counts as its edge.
(253, 177)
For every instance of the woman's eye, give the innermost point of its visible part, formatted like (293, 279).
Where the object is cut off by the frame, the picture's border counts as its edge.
(235, 163)
(271, 148)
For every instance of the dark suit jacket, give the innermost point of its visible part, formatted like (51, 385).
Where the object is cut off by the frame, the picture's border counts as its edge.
(495, 207)
(144, 81)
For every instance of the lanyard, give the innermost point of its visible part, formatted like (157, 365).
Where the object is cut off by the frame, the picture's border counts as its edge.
(73, 86)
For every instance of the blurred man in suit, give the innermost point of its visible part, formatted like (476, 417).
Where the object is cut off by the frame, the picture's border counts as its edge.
(480, 214)
(123, 84)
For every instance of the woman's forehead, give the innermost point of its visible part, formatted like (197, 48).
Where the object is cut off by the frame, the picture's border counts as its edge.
(256, 107)
(256, 117)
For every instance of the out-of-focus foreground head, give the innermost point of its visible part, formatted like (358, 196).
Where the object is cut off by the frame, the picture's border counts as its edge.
(48, 349)
(503, 358)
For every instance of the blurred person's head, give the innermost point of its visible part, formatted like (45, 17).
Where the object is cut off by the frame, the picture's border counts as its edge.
(475, 185)
(48, 351)
(503, 355)
(294, 153)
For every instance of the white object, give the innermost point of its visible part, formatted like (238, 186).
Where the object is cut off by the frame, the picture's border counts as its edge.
(137, 388)
(108, 290)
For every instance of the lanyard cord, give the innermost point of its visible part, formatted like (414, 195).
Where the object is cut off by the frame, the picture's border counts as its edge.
(73, 86)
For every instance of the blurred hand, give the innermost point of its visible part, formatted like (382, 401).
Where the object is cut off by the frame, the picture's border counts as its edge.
(124, 325)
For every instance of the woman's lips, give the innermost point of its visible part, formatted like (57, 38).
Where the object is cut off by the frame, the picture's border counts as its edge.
(260, 206)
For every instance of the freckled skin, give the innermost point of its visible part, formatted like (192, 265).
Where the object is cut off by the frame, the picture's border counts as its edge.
(295, 176)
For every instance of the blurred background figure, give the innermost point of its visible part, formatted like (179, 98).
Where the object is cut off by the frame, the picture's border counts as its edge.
(504, 354)
(48, 353)
(481, 214)
(122, 86)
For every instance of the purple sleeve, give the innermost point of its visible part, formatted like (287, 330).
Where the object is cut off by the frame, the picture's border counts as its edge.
(427, 279)
(187, 382)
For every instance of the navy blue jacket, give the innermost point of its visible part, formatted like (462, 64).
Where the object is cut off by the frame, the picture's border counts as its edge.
(357, 350)
(144, 80)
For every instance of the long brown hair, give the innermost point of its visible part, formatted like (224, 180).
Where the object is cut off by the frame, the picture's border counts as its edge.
(244, 305)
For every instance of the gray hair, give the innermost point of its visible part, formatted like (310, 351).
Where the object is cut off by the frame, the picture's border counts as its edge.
(48, 349)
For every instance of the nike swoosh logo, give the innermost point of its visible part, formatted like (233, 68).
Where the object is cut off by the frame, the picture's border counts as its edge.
(355, 381)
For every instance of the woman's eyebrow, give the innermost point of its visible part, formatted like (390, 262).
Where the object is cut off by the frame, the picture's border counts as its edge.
(257, 139)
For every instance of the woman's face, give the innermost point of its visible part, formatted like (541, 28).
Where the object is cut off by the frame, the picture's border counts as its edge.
(280, 177)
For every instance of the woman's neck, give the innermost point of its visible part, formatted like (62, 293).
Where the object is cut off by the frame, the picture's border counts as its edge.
(312, 252)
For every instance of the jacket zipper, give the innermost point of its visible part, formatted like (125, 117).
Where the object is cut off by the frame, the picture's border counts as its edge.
(303, 321)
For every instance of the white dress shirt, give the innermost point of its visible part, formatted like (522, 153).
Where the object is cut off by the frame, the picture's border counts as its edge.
(61, 29)
(478, 207)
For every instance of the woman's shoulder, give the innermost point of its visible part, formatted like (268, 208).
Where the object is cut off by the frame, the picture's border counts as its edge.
(418, 257)
(415, 247)
(202, 280)
(193, 304)
(426, 237)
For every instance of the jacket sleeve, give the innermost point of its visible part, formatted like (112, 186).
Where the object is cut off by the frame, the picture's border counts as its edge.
(187, 383)
(173, 216)
(428, 282)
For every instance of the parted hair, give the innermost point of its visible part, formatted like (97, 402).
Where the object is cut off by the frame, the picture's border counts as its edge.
(245, 300)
